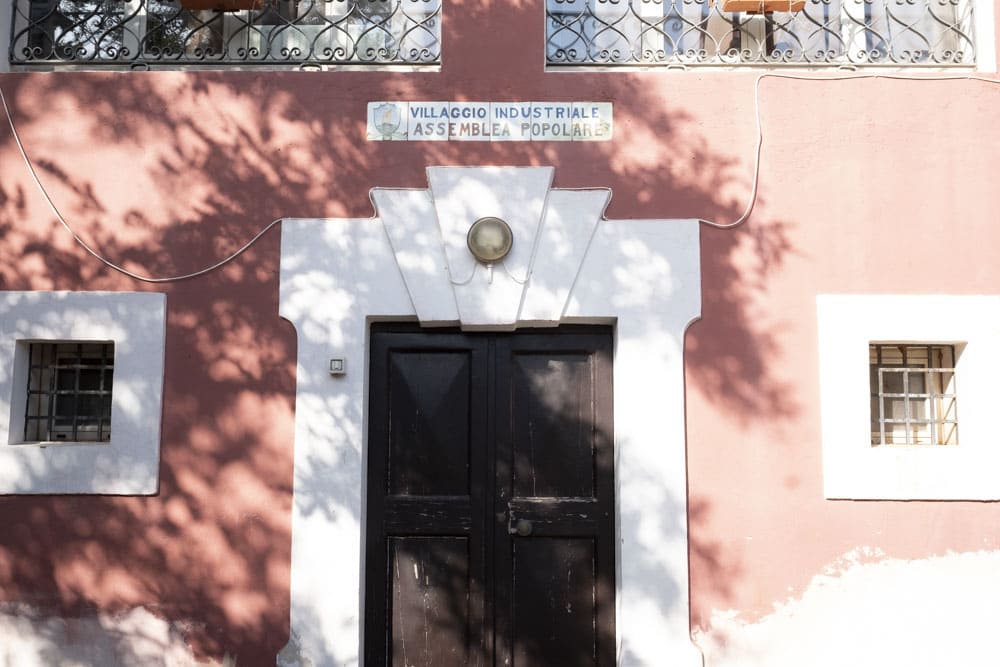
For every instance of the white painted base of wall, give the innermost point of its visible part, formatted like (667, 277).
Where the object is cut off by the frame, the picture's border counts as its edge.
(867, 610)
(135, 638)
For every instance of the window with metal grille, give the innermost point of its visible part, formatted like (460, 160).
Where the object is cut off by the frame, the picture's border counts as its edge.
(699, 32)
(69, 392)
(913, 394)
(147, 33)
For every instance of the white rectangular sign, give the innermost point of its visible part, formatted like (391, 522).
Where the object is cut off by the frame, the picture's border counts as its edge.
(490, 121)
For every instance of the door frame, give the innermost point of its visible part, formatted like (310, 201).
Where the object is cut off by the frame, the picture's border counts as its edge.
(568, 265)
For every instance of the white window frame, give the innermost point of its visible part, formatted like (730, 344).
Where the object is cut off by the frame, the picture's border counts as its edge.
(855, 469)
(129, 463)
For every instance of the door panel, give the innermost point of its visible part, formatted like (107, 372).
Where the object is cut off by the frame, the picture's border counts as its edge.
(429, 415)
(490, 510)
(553, 602)
(426, 457)
(430, 594)
(553, 440)
(555, 476)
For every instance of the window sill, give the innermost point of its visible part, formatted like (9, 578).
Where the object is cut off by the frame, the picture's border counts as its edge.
(908, 472)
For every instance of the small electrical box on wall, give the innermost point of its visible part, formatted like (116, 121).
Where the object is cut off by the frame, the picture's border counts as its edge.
(338, 366)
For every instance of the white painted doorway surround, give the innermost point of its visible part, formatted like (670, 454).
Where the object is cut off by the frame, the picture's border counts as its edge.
(568, 264)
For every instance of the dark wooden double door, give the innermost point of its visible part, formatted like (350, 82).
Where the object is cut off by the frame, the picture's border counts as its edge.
(490, 513)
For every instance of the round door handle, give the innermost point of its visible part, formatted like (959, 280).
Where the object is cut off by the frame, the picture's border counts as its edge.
(522, 528)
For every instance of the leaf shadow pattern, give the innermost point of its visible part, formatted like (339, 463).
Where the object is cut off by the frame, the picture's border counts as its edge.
(738, 374)
(165, 172)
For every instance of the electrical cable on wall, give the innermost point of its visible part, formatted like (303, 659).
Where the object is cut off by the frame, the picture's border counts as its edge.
(467, 280)
(751, 200)
(94, 253)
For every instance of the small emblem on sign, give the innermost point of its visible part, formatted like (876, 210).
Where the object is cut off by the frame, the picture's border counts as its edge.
(388, 118)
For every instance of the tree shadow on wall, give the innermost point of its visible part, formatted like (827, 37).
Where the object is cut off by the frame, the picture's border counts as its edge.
(166, 172)
(729, 356)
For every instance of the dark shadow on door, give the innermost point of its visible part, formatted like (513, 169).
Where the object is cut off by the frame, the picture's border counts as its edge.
(490, 529)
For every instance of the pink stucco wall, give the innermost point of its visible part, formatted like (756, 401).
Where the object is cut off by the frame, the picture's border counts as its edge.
(867, 186)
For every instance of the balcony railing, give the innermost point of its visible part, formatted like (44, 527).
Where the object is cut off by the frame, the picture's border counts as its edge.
(142, 33)
(697, 32)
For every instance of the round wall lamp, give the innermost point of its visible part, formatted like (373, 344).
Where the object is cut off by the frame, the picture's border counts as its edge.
(489, 240)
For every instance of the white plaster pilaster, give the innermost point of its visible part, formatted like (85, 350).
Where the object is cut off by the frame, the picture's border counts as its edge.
(334, 273)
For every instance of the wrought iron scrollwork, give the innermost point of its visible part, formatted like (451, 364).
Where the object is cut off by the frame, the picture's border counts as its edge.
(297, 32)
(827, 32)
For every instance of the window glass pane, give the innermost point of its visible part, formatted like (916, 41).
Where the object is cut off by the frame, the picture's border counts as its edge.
(912, 394)
(69, 392)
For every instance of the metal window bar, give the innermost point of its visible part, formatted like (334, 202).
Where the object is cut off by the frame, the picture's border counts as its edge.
(936, 33)
(144, 33)
(69, 392)
(932, 400)
(930, 412)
